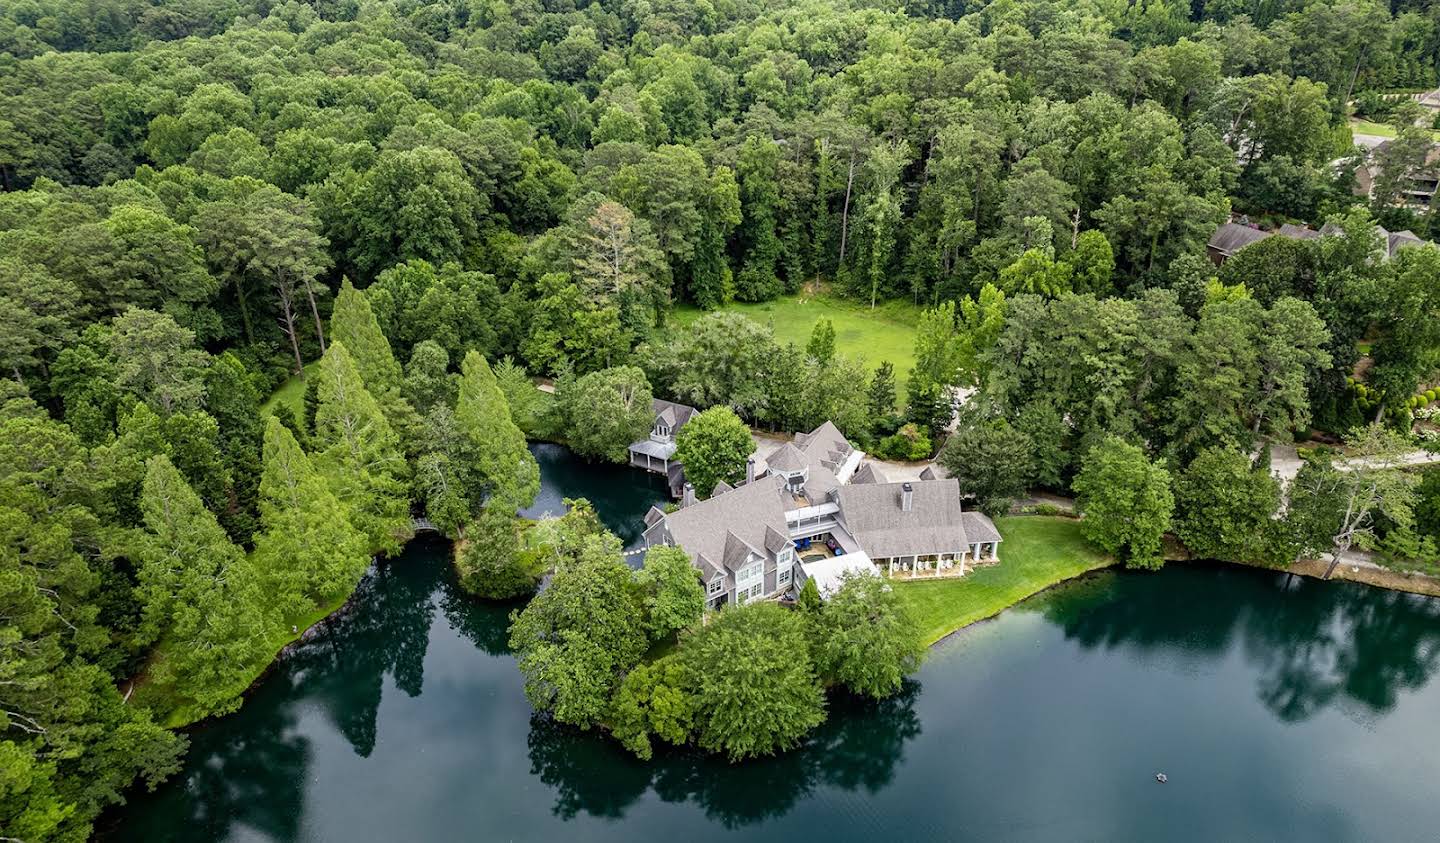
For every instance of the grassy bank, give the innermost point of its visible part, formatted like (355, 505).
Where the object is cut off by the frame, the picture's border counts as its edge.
(291, 392)
(885, 333)
(1037, 552)
(177, 712)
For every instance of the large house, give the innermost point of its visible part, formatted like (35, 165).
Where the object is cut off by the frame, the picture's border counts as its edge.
(656, 453)
(815, 510)
(1231, 237)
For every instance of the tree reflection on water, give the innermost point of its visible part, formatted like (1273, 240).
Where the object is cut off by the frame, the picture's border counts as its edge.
(858, 747)
(1319, 644)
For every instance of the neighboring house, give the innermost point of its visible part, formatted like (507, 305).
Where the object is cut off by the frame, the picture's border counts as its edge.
(1419, 186)
(813, 511)
(656, 453)
(1232, 237)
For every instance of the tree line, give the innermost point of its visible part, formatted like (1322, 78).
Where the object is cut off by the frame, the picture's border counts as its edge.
(185, 189)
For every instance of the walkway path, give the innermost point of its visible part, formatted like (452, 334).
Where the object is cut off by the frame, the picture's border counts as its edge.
(1285, 462)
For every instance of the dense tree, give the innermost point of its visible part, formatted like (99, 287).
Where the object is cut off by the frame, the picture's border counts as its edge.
(1225, 508)
(603, 412)
(156, 360)
(576, 639)
(1125, 501)
(674, 598)
(199, 595)
(308, 548)
(864, 639)
(713, 446)
(654, 699)
(354, 324)
(360, 453)
(489, 560)
(756, 689)
(991, 460)
(493, 444)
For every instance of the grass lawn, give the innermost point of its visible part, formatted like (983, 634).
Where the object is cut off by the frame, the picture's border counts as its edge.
(1036, 553)
(291, 392)
(885, 333)
(1365, 127)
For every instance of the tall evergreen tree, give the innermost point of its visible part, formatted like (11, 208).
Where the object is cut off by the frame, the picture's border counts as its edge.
(353, 323)
(509, 471)
(199, 595)
(309, 548)
(361, 453)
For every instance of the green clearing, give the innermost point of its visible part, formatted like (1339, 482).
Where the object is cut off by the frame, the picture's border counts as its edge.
(291, 392)
(885, 333)
(1037, 552)
(1366, 127)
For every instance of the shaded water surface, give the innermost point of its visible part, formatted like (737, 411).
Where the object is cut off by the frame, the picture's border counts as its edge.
(1279, 708)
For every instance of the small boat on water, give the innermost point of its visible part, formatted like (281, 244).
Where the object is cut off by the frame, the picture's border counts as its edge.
(1161, 778)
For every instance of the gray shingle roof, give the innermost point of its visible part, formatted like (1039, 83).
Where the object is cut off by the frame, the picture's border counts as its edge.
(1232, 237)
(873, 514)
(786, 458)
(674, 414)
(721, 488)
(934, 471)
(869, 473)
(653, 515)
(706, 528)
(1398, 240)
(1298, 232)
(979, 527)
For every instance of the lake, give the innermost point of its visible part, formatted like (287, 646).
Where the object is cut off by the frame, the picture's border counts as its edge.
(1279, 708)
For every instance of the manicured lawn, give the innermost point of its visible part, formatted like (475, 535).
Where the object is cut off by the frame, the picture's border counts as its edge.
(291, 392)
(1036, 553)
(1365, 127)
(885, 333)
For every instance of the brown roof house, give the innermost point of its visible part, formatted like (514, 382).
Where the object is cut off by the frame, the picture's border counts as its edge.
(1232, 237)
(817, 511)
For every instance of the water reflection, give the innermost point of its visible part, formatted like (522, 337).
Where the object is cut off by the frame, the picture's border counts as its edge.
(621, 495)
(385, 629)
(858, 747)
(1315, 645)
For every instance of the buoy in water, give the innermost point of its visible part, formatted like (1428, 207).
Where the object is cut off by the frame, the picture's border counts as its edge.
(1161, 778)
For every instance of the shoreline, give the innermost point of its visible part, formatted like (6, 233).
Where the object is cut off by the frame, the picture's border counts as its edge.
(1032, 595)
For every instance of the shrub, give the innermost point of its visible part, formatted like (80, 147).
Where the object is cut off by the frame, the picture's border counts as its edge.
(489, 561)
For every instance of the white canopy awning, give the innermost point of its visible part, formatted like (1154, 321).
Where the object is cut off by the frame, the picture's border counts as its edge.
(826, 572)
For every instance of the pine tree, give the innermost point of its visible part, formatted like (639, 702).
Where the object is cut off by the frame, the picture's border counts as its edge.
(507, 468)
(354, 325)
(361, 453)
(199, 595)
(308, 549)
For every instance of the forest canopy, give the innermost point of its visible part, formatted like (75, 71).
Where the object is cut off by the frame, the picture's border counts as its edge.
(407, 209)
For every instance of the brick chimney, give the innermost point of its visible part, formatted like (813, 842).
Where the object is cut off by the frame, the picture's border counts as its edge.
(907, 497)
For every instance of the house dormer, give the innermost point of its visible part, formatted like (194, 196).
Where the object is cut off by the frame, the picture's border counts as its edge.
(790, 464)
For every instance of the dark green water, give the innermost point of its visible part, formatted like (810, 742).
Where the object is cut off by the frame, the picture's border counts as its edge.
(1281, 709)
(621, 495)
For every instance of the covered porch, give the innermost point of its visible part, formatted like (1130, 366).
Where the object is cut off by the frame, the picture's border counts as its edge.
(651, 455)
(940, 565)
